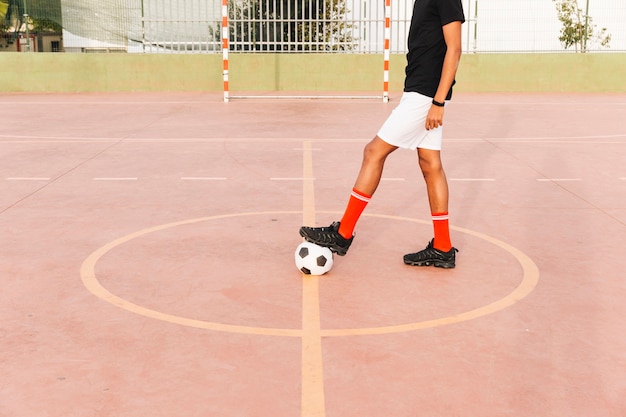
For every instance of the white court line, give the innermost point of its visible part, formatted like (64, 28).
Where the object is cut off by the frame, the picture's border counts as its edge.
(472, 179)
(116, 179)
(203, 178)
(547, 103)
(542, 139)
(583, 139)
(27, 179)
(623, 178)
(292, 179)
(114, 103)
(558, 179)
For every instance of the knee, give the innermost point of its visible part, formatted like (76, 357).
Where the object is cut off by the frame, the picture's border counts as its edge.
(377, 151)
(372, 154)
(430, 166)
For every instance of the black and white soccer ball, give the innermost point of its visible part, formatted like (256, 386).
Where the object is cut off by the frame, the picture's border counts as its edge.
(312, 259)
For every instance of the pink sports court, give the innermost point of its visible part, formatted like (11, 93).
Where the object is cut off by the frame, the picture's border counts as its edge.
(147, 264)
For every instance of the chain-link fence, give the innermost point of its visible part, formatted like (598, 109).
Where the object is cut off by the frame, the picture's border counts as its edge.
(312, 26)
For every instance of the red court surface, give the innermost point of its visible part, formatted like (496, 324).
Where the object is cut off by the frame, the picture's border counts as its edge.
(147, 262)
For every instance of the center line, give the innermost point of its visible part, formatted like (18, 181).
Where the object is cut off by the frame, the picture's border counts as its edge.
(313, 402)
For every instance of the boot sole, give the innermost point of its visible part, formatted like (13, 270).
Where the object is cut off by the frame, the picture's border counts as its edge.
(333, 248)
(436, 264)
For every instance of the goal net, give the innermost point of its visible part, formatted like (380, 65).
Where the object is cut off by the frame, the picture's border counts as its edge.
(210, 26)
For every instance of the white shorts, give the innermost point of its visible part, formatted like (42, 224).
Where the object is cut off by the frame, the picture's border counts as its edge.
(406, 125)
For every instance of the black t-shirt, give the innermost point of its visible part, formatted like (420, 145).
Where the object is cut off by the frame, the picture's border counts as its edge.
(427, 47)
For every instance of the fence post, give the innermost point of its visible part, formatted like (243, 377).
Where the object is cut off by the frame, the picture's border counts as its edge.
(586, 28)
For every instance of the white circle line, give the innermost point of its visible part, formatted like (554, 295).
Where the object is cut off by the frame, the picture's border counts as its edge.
(89, 279)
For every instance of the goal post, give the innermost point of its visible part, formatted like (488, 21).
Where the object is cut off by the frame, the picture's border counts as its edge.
(386, 51)
(225, 47)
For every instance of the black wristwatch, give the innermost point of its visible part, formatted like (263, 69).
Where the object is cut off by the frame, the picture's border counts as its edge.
(438, 104)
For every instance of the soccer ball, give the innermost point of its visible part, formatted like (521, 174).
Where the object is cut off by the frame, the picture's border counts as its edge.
(312, 259)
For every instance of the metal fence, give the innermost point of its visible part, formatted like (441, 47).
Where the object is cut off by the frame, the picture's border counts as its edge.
(533, 25)
(357, 26)
(312, 26)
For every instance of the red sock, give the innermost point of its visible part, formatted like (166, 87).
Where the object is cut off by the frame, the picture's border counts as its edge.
(356, 205)
(442, 232)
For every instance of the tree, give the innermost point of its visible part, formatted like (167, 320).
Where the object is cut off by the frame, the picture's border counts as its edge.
(14, 16)
(43, 15)
(289, 25)
(330, 31)
(578, 29)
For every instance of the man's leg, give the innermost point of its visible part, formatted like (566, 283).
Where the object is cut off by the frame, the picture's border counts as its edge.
(439, 251)
(437, 188)
(374, 155)
(338, 236)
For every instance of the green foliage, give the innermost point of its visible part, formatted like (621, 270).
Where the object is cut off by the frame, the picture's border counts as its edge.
(578, 30)
(331, 32)
(45, 25)
(4, 5)
(43, 15)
